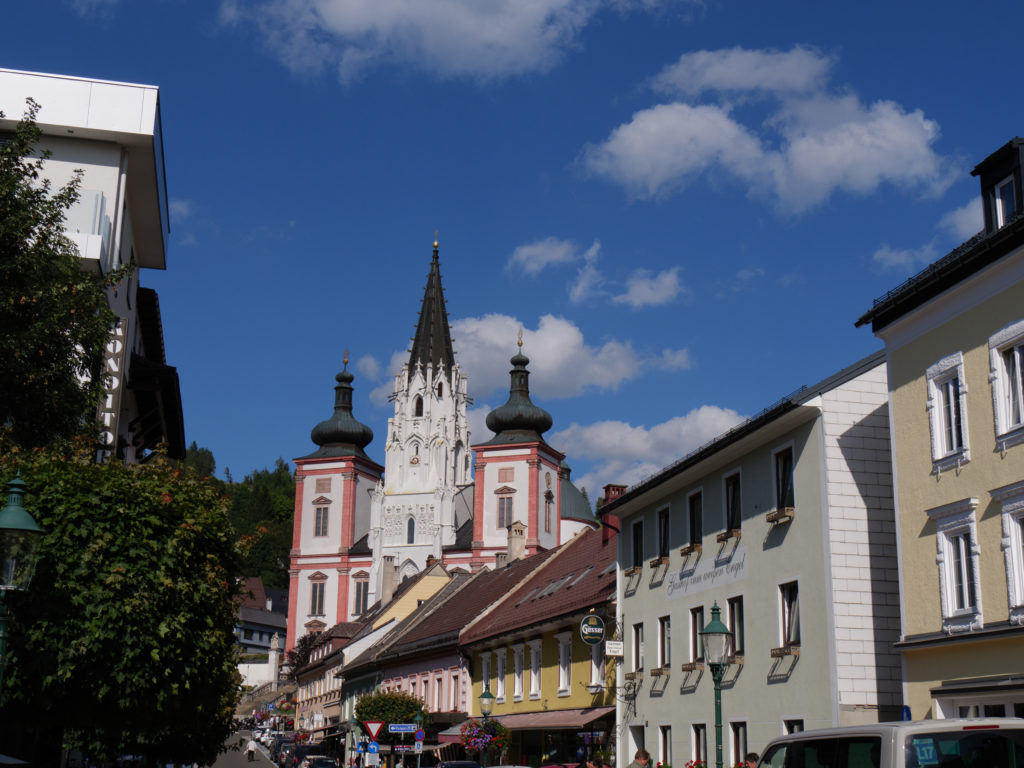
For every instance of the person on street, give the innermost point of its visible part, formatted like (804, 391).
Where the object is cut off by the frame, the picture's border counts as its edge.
(640, 759)
(750, 761)
(250, 749)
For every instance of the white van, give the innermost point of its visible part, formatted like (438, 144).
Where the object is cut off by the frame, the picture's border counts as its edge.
(955, 743)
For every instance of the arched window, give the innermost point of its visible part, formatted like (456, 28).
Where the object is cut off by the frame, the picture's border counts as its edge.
(417, 406)
(410, 532)
(440, 390)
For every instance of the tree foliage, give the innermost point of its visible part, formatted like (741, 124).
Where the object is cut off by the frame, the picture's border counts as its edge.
(390, 707)
(263, 505)
(54, 318)
(124, 643)
(298, 657)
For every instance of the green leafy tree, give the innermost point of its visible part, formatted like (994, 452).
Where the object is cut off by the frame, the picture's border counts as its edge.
(298, 657)
(389, 707)
(200, 460)
(124, 643)
(262, 505)
(54, 318)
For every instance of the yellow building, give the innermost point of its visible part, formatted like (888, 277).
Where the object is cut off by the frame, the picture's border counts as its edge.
(954, 336)
(552, 689)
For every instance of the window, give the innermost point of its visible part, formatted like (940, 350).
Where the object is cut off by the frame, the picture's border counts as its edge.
(1005, 199)
(665, 745)
(485, 671)
(947, 410)
(1006, 360)
(410, 531)
(426, 691)
(517, 672)
(665, 641)
(362, 596)
(316, 598)
(504, 511)
(638, 543)
(597, 668)
(564, 662)
(323, 485)
(732, 502)
(735, 619)
(738, 741)
(412, 688)
(696, 514)
(784, 479)
(320, 524)
(957, 557)
(438, 692)
(696, 626)
(699, 743)
(440, 390)
(499, 682)
(1011, 498)
(638, 647)
(789, 614)
(549, 505)
(417, 406)
(793, 726)
(506, 474)
(535, 660)
(454, 699)
(663, 532)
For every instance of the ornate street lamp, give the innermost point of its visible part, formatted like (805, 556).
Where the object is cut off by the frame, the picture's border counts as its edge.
(19, 543)
(716, 638)
(486, 700)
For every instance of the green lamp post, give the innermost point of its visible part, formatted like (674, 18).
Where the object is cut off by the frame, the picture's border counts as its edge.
(486, 700)
(19, 543)
(716, 638)
(419, 726)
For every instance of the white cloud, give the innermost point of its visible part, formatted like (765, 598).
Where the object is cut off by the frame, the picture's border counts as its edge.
(737, 69)
(562, 364)
(450, 38)
(589, 279)
(746, 276)
(813, 143)
(964, 222)
(645, 289)
(368, 366)
(624, 453)
(180, 209)
(905, 259)
(532, 258)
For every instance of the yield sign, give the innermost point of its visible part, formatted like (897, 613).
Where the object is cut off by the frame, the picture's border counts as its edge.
(373, 727)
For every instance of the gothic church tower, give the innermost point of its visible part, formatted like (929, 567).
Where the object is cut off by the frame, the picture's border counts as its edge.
(418, 508)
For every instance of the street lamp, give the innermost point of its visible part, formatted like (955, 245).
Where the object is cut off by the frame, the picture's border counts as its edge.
(716, 638)
(419, 727)
(19, 543)
(486, 700)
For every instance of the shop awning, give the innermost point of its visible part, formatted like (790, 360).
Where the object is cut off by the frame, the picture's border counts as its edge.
(560, 718)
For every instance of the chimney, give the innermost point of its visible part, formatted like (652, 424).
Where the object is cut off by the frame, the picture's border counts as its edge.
(500, 560)
(431, 561)
(610, 527)
(612, 492)
(516, 541)
(388, 579)
(270, 604)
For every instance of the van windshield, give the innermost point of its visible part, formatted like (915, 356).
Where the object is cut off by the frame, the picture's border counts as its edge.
(988, 748)
(827, 752)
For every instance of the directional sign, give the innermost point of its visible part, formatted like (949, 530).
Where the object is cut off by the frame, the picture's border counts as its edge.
(373, 748)
(361, 747)
(420, 735)
(402, 748)
(373, 727)
(401, 727)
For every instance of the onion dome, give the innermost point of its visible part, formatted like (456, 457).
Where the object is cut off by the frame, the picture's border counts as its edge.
(341, 435)
(518, 420)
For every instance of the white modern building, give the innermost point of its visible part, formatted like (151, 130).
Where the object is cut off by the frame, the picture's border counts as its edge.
(111, 132)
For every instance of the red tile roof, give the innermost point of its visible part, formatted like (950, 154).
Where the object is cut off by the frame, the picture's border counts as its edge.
(581, 575)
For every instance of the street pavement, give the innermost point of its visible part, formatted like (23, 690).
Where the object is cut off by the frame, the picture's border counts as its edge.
(238, 759)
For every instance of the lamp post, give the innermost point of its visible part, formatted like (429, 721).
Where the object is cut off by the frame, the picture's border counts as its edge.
(353, 733)
(19, 543)
(419, 726)
(486, 700)
(716, 637)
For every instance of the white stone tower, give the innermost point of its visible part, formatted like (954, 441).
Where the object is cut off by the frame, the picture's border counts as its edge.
(416, 510)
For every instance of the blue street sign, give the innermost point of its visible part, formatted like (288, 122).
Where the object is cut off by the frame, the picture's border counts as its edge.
(401, 727)
(905, 713)
(373, 748)
(361, 746)
(420, 735)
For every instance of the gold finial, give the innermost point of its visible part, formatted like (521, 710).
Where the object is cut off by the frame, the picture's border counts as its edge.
(345, 359)
(435, 238)
(519, 340)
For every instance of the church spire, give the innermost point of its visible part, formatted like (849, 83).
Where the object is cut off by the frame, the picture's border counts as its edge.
(341, 434)
(433, 341)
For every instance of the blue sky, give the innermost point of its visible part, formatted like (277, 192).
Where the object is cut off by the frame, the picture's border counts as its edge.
(685, 205)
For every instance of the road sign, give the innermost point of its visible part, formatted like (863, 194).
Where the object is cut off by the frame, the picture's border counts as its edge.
(402, 748)
(420, 735)
(419, 747)
(361, 747)
(372, 760)
(373, 748)
(373, 727)
(401, 727)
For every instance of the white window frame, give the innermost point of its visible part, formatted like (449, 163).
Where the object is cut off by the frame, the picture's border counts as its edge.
(485, 671)
(699, 732)
(321, 521)
(454, 693)
(1003, 216)
(638, 647)
(729, 622)
(951, 521)
(696, 645)
(665, 640)
(1011, 499)
(938, 376)
(317, 606)
(597, 667)
(500, 660)
(738, 751)
(738, 474)
(786, 615)
(664, 743)
(1012, 335)
(564, 662)
(694, 537)
(536, 667)
(518, 653)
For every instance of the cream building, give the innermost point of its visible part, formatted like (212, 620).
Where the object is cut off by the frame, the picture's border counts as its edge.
(954, 337)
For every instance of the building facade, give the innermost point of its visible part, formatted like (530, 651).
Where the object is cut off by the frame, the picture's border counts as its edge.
(954, 338)
(785, 523)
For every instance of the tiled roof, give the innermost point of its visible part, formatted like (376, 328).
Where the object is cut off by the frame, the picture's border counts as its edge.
(580, 575)
(253, 594)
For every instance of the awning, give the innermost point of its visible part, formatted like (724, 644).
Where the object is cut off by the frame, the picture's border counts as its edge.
(560, 719)
(450, 735)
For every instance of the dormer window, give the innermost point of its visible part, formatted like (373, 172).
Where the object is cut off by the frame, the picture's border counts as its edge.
(1005, 200)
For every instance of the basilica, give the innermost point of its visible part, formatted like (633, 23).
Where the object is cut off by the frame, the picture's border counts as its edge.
(361, 528)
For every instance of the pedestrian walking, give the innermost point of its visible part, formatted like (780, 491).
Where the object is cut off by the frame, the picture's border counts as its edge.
(751, 760)
(250, 749)
(640, 759)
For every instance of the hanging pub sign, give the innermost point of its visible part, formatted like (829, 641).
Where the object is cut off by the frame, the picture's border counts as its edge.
(592, 629)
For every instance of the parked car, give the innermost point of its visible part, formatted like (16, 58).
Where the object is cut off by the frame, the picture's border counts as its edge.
(318, 761)
(954, 743)
(459, 764)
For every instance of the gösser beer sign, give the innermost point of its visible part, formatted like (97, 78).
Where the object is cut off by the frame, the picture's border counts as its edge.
(592, 629)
